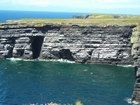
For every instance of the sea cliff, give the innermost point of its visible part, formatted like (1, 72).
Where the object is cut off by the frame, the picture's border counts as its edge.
(136, 56)
(93, 43)
(109, 44)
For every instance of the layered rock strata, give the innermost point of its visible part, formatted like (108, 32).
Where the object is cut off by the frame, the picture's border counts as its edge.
(108, 44)
(135, 39)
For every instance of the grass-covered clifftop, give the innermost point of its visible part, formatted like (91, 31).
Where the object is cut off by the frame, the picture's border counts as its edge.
(93, 19)
(113, 16)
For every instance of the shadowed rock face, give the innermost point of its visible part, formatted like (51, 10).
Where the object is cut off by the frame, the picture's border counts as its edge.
(83, 44)
(36, 46)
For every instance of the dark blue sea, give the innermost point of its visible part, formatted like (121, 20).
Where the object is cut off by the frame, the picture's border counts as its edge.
(41, 82)
(32, 82)
(16, 15)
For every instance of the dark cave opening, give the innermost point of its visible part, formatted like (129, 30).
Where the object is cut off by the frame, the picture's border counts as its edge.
(36, 45)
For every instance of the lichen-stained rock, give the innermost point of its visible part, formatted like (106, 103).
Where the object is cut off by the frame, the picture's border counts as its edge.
(135, 39)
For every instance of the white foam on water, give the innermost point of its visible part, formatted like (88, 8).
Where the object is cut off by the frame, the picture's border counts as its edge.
(29, 59)
(65, 60)
(91, 73)
(85, 70)
(13, 59)
(135, 103)
(54, 60)
(128, 100)
(57, 60)
(126, 65)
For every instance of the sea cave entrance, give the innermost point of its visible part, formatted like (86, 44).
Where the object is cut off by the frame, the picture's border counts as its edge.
(36, 45)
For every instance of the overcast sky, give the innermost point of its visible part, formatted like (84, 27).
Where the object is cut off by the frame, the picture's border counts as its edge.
(84, 6)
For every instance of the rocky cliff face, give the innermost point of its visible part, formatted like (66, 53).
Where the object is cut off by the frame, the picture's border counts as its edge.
(95, 44)
(135, 39)
(84, 44)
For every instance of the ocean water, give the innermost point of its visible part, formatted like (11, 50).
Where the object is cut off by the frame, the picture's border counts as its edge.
(32, 82)
(16, 15)
(40, 82)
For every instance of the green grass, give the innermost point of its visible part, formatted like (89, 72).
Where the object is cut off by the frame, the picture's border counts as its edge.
(113, 16)
(96, 19)
(101, 16)
(41, 22)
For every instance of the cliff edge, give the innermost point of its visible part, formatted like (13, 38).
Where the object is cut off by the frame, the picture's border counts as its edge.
(83, 41)
(90, 43)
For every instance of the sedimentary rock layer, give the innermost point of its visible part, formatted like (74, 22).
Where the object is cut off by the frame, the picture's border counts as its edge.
(85, 44)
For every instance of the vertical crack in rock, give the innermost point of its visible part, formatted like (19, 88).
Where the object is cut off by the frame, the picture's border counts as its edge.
(36, 46)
